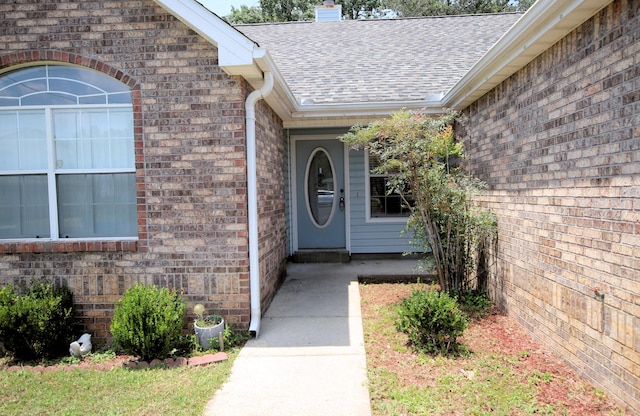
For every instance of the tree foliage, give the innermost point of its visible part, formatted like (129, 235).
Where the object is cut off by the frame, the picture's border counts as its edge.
(299, 10)
(287, 10)
(303, 10)
(415, 8)
(245, 15)
(420, 155)
(360, 9)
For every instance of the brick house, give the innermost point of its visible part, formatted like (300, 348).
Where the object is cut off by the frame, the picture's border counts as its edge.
(169, 154)
(166, 147)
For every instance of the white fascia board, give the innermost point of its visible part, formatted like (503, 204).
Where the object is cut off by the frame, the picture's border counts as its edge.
(235, 50)
(363, 108)
(338, 115)
(544, 24)
(330, 122)
(281, 99)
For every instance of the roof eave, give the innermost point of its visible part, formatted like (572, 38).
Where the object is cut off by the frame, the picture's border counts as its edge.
(544, 24)
(341, 114)
(295, 114)
(281, 99)
(237, 54)
(299, 115)
(235, 50)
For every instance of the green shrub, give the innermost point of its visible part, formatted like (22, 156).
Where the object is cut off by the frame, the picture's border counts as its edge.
(36, 319)
(432, 321)
(475, 303)
(147, 322)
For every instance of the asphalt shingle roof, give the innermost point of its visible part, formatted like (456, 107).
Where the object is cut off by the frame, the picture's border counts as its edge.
(353, 61)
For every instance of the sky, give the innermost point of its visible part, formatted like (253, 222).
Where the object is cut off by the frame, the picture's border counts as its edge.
(223, 7)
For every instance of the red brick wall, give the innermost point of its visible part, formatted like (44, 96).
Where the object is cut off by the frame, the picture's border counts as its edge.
(271, 204)
(190, 159)
(559, 145)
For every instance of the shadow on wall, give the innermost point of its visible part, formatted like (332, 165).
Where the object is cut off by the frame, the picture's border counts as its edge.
(496, 280)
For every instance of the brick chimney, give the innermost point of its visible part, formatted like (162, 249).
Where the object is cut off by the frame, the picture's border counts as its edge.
(328, 12)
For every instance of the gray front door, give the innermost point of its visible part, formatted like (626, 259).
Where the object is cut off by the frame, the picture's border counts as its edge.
(320, 194)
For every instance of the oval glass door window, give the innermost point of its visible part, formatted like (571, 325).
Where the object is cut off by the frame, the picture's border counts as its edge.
(319, 186)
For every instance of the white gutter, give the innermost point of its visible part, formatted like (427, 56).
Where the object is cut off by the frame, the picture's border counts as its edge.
(252, 200)
(309, 109)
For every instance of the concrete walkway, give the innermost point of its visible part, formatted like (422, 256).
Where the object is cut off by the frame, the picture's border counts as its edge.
(309, 358)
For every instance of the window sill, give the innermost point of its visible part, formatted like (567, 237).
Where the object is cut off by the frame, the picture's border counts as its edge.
(395, 220)
(16, 247)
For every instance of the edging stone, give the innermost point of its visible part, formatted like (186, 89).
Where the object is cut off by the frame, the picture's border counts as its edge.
(202, 360)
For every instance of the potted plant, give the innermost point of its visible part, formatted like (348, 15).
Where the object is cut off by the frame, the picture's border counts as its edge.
(207, 327)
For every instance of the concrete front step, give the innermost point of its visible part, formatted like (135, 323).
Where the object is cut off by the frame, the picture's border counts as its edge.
(322, 256)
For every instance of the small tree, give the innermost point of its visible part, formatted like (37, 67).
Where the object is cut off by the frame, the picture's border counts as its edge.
(420, 154)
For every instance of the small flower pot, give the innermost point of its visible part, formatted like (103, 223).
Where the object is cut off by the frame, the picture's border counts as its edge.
(208, 332)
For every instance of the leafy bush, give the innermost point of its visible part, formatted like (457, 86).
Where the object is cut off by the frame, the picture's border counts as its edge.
(36, 319)
(475, 303)
(432, 321)
(147, 322)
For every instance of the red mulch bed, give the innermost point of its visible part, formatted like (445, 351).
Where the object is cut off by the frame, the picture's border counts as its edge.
(495, 333)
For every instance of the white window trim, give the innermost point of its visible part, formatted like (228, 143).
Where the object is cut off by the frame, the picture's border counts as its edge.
(307, 172)
(51, 172)
(367, 196)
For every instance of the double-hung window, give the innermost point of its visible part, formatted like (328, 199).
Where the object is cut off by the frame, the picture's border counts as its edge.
(382, 204)
(66, 155)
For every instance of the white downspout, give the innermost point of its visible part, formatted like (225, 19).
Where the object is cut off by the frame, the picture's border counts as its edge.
(252, 200)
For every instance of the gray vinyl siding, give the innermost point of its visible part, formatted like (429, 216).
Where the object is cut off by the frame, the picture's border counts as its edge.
(370, 237)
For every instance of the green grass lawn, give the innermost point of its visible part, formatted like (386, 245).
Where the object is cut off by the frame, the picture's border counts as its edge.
(120, 391)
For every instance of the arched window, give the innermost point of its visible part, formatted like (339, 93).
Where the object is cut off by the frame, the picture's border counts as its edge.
(66, 155)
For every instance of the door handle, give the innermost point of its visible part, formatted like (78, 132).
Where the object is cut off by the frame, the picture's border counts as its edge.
(341, 203)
